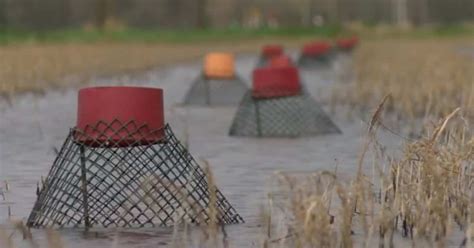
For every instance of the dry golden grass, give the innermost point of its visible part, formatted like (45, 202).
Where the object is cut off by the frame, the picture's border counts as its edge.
(426, 78)
(35, 67)
(428, 191)
(424, 196)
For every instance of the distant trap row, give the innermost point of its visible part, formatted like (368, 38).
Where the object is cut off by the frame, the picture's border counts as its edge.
(122, 165)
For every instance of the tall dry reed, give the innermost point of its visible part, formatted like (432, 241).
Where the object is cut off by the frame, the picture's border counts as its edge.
(426, 196)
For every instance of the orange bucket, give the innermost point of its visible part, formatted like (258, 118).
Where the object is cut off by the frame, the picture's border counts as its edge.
(219, 65)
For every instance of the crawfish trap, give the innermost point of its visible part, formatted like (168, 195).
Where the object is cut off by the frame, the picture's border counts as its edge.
(269, 52)
(121, 166)
(278, 106)
(316, 54)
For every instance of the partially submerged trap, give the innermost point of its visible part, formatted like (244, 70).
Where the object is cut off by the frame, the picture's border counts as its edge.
(278, 106)
(269, 52)
(316, 54)
(347, 45)
(218, 84)
(121, 166)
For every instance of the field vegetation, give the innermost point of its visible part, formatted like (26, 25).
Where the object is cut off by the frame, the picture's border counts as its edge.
(425, 78)
(33, 62)
(423, 197)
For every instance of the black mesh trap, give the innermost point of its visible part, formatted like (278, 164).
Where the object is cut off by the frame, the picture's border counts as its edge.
(215, 92)
(286, 116)
(306, 61)
(262, 61)
(128, 182)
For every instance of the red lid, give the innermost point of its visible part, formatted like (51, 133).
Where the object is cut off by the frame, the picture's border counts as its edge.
(316, 48)
(281, 61)
(276, 81)
(120, 116)
(269, 51)
(347, 43)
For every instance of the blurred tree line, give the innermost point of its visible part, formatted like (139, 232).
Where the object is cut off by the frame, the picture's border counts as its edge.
(57, 14)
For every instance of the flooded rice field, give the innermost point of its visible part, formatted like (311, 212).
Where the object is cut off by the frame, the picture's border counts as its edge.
(34, 127)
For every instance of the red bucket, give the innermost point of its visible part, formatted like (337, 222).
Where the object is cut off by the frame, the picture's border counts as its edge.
(347, 43)
(281, 61)
(120, 116)
(275, 82)
(316, 48)
(270, 51)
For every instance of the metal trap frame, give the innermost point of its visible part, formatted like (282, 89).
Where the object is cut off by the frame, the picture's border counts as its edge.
(119, 177)
(215, 91)
(306, 61)
(262, 61)
(285, 116)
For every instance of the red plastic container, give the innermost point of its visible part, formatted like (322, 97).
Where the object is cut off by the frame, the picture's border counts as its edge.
(281, 61)
(316, 48)
(269, 51)
(275, 82)
(347, 43)
(120, 116)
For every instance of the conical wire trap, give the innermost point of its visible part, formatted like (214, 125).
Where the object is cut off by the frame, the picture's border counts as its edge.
(214, 91)
(269, 52)
(116, 174)
(262, 61)
(284, 116)
(316, 54)
(307, 61)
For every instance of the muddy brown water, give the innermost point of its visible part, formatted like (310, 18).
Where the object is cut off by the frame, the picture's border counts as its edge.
(33, 127)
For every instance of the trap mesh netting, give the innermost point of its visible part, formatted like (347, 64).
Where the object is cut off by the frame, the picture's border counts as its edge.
(133, 181)
(306, 61)
(262, 61)
(285, 116)
(206, 91)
